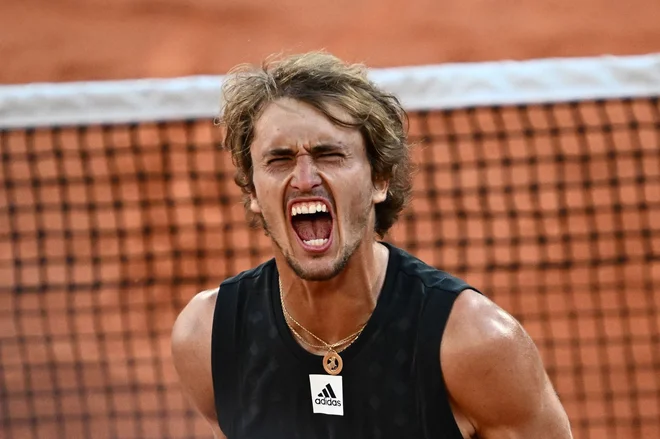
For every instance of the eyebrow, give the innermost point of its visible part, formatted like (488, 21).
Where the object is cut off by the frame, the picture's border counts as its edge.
(327, 147)
(278, 152)
(286, 151)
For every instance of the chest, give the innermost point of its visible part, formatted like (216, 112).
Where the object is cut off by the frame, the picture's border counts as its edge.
(379, 391)
(373, 397)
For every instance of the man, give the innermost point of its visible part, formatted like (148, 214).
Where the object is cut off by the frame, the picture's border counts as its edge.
(342, 335)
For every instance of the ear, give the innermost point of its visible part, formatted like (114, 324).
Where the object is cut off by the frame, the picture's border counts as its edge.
(380, 191)
(254, 204)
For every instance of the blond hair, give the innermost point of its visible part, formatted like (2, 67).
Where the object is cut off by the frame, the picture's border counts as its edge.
(319, 79)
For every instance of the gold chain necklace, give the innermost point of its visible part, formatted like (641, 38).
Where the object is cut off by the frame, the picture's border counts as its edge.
(345, 341)
(332, 361)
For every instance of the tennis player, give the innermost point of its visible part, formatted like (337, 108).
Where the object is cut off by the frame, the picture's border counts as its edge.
(342, 335)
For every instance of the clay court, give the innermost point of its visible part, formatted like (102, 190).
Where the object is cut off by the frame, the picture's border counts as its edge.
(106, 232)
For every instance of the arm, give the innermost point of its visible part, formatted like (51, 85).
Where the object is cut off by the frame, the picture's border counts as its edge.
(495, 375)
(191, 354)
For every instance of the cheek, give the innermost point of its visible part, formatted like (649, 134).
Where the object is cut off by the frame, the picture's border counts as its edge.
(265, 198)
(359, 195)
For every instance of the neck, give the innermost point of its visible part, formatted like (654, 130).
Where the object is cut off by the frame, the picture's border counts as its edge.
(336, 308)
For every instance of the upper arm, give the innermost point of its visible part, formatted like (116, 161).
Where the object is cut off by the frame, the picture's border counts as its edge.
(191, 355)
(495, 376)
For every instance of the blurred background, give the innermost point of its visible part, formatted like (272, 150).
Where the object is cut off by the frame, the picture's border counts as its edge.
(71, 40)
(106, 231)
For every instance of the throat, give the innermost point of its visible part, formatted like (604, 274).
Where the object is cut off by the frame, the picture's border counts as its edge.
(312, 226)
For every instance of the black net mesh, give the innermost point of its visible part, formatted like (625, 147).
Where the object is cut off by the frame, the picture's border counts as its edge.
(107, 231)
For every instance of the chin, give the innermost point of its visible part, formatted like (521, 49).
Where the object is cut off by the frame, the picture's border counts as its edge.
(321, 267)
(316, 270)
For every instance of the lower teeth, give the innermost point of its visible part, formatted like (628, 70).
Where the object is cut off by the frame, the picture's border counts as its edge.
(316, 242)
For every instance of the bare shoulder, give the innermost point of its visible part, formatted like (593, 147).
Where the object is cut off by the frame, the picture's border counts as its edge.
(196, 315)
(495, 376)
(191, 354)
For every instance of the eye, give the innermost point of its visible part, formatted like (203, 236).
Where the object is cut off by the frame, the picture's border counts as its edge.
(332, 155)
(278, 160)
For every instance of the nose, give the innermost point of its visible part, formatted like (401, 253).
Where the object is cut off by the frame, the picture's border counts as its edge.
(305, 175)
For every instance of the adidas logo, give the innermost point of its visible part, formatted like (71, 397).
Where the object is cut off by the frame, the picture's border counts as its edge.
(327, 397)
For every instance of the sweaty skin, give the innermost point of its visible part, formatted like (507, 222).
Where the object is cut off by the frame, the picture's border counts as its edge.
(492, 369)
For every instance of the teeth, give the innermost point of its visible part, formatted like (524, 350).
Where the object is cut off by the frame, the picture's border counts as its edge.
(316, 242)
(301, 208)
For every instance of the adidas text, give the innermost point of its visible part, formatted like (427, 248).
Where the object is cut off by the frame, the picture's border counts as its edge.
(327, 401)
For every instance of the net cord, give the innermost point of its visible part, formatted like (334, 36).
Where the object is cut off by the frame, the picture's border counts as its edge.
(446, 86)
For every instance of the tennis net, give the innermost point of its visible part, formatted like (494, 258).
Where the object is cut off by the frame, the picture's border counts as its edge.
(538, 182)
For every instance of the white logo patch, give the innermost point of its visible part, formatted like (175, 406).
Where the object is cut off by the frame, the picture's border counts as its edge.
(327, 394)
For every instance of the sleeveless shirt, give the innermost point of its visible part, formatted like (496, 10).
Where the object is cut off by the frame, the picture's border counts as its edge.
(392, 378)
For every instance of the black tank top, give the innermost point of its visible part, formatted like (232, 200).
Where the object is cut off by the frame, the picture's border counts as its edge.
(392, 379)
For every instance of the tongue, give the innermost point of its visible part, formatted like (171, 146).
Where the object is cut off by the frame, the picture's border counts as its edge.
(316, 227)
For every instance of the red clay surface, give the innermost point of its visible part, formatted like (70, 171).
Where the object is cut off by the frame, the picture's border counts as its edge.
(93, 39)
(94, 362)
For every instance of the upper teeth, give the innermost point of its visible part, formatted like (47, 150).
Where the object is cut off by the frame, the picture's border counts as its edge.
(313, 207)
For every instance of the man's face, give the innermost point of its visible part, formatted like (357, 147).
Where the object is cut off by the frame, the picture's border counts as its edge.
(313, 187)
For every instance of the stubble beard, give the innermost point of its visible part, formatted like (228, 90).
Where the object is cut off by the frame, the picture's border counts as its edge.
(338, 265)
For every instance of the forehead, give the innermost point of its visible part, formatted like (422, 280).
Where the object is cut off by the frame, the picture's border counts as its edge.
(291, 123)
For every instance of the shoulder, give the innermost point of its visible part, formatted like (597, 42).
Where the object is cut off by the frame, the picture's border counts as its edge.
(191, 351)
(191, 355)
(191, 334)
(478, 330)
(192, 328)
(481, 342)
(494, 373)
(430, 277)
(195, 318)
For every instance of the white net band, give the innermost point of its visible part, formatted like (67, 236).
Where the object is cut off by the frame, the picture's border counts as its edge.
(425, 87)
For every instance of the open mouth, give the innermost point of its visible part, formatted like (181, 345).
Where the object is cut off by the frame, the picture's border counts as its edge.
(312, 223)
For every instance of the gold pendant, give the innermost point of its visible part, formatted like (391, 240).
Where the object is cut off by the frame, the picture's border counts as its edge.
(332, 363)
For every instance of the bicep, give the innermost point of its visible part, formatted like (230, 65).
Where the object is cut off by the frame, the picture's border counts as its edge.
(495, 375)
(191, 356)
(528, 414)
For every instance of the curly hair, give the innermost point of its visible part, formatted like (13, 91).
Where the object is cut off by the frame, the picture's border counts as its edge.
(320, 79)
